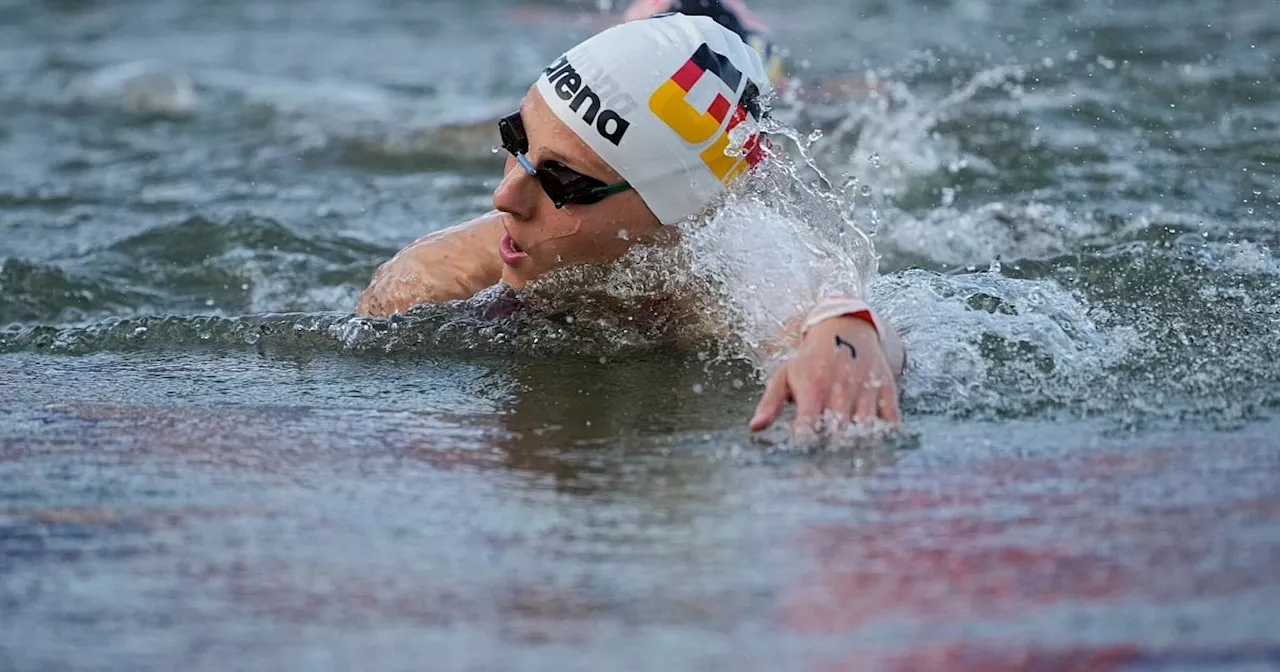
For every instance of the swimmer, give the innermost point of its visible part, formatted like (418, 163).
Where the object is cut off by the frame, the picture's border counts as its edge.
(606, 152)
(734, 15)
(461, 139)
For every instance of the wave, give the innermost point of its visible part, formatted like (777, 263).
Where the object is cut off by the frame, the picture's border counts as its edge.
(240, 264)
(495, 321)
(34, 292)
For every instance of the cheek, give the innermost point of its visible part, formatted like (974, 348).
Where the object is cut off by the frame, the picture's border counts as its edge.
(603, 242)
(556, 237)
(587, 235)
(580, 243)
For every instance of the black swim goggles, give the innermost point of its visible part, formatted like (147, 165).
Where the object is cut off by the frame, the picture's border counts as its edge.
(563, 184)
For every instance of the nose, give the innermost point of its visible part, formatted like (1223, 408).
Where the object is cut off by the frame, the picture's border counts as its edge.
(514, 194)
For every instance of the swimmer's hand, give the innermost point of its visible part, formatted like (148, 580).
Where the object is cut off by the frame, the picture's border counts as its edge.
(839, 375)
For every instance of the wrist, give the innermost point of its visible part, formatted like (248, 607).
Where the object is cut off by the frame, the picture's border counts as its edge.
(847, 326)
(840, 310)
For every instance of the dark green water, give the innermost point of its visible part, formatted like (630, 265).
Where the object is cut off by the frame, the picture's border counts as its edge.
(206, 462)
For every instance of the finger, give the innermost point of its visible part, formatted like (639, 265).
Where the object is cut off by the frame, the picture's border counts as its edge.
(775, 396)
(865, 411)
(840, 408)
(810, 400)
(889, 410)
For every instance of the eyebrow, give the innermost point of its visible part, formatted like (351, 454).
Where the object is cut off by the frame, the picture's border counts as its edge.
(552, 154)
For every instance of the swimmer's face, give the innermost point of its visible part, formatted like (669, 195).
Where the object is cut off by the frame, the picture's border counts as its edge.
(541, 237)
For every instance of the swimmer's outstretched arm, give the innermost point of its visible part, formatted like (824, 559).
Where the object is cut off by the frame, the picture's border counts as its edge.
(846, 369)
(454, 263)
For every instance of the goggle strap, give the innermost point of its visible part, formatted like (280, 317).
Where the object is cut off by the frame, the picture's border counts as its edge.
(610, 189)
(526, 164)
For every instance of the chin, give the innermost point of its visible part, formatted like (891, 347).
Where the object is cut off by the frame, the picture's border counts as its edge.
(513, 279)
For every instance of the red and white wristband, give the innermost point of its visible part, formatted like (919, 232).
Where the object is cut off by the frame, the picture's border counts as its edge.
(840, 306)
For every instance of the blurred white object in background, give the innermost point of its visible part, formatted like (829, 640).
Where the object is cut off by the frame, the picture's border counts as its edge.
(143, 88)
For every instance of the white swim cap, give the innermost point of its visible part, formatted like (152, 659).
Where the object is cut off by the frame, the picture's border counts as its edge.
(656, 99)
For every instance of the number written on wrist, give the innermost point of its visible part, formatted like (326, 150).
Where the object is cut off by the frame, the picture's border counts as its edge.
(841, 343)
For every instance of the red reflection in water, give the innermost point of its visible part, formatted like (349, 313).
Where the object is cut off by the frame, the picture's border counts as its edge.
(1004, 540)
(967, 656)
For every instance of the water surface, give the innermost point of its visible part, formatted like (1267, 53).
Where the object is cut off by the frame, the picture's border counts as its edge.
(205, 458)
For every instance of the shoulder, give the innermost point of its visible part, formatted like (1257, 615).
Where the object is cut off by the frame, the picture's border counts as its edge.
(453, 263)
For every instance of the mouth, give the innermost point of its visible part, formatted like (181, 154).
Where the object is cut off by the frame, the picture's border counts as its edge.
(510, 251)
